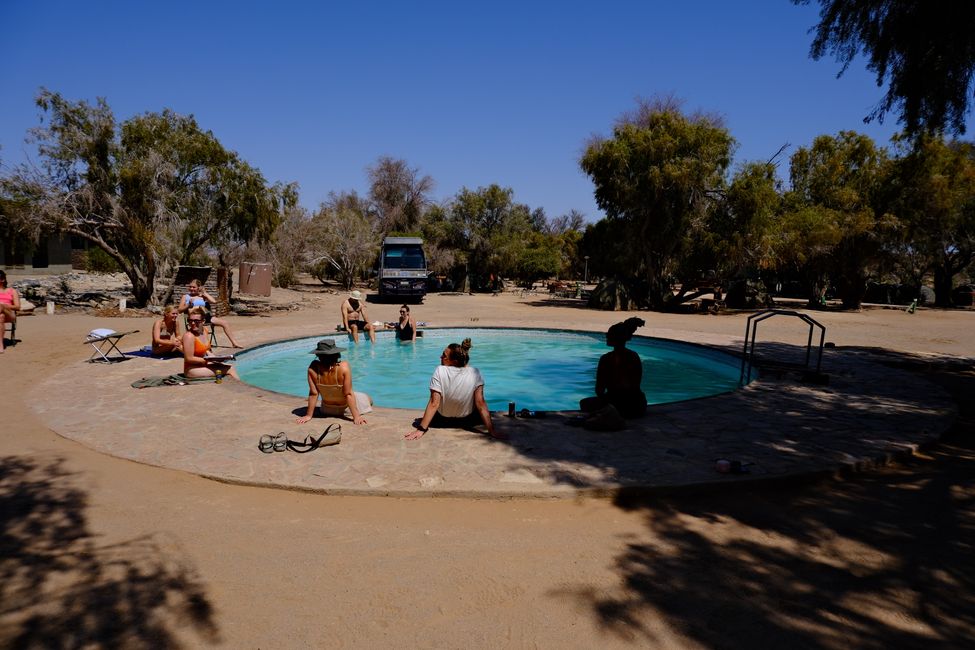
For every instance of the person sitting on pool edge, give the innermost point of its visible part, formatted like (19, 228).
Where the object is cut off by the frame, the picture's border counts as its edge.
(196, 349)
(166, 339)
(619, 374)
(354, 317)
(456, 395)
(406, 326)
(331, 379)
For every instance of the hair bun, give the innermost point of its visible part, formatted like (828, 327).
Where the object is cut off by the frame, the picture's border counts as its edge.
(466, 344)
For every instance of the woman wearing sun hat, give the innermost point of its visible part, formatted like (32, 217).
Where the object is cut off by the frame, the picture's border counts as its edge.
(354, 317)
(331, 379)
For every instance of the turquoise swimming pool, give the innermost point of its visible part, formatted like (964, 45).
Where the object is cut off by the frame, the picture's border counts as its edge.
(538, 369)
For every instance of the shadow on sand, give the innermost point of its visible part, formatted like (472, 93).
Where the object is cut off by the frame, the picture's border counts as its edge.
(59, 588)
(883, 560)
(866, 411)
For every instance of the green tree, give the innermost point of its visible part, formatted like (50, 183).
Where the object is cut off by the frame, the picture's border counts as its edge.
(934, 183)
(657, 179)
(541, 257)
(288, 249)
(740, 230)
(838, 205)
(345, 242)
(149, 193)
(398, 194)
(436, 229)
(487, 228)
(925, 49)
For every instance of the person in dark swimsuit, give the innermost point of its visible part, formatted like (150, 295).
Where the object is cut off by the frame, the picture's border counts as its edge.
(619, 374)
(406, 326)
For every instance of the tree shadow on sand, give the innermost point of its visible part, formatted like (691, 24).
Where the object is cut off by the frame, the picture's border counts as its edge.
(780, 425)
(882, 560)
(59, 588)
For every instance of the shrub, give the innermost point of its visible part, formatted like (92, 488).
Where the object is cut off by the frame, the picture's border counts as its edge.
(98, 261)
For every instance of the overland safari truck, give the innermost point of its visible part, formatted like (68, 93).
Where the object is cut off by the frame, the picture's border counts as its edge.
(402, 268)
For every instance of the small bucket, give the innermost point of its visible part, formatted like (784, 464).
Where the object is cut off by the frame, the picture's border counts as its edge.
(122, 304)
(50, 308)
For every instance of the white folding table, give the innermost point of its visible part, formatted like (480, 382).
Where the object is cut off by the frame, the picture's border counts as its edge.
(104, 343)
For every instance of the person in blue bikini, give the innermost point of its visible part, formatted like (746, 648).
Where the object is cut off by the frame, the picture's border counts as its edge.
(198, 297)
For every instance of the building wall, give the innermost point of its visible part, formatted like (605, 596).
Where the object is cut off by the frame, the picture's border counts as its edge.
(50, 255)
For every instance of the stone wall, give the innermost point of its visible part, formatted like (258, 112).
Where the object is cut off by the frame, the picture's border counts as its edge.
(207, 276)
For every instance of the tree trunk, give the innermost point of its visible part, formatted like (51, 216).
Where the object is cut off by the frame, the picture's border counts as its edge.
(942, 286)
(852, 291)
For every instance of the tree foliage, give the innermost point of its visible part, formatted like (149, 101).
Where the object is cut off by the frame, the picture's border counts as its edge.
(149, 192)
(345, 242)
(837, 202)
(658, 178)
(934, 195)
(487, 228)
(924, 51)
(398, 194)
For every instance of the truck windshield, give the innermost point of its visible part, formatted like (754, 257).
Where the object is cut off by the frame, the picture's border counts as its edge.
(403, 257)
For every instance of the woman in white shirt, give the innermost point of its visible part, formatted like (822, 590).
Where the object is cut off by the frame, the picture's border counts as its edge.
(456, 395)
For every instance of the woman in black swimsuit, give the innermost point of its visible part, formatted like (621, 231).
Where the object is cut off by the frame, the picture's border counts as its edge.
(619, 374)
(406, 327)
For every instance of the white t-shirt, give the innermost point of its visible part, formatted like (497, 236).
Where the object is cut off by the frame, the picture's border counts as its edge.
(457, 386)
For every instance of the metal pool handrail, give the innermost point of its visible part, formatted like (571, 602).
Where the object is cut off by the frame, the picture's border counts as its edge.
(751, 330)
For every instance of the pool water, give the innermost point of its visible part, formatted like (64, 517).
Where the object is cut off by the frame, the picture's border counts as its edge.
(535, 368)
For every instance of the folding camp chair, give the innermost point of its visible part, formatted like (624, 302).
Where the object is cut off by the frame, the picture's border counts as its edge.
(104, 342)
(13, 331)
(210, 327)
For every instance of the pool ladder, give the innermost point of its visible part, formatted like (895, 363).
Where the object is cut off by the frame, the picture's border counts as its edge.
(751, 330)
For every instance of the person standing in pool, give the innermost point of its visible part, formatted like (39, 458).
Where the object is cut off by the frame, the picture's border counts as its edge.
(619, 374)
(406, 326)
(354, 317)
(331, 379)
(456, 395)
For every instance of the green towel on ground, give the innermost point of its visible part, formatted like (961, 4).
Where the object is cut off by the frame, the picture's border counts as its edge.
(171, 380)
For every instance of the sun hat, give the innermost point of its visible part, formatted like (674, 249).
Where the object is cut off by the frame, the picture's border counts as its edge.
(356, 294)
(326, 347)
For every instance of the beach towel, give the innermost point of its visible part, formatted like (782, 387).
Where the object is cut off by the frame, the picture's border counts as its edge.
(170, 380)
(146, 353)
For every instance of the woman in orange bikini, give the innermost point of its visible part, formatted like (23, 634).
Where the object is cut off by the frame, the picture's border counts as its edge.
(165, 334)
(9, 304)
(331, 379)
(196, 349)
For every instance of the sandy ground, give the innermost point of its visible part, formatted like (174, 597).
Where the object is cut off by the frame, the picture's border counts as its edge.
(101, 552)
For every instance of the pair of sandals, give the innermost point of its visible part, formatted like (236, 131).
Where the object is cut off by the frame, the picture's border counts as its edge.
(271, 443)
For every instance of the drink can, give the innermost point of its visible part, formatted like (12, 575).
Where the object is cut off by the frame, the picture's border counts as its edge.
(511, 409)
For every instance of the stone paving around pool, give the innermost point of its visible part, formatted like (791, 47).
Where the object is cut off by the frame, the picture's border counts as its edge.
(785, 429)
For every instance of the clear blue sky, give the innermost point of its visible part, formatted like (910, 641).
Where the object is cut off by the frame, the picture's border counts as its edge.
(472, 94)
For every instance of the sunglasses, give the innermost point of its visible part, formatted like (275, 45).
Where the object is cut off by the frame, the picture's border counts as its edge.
(195, 320)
